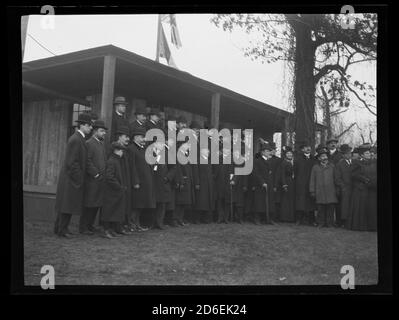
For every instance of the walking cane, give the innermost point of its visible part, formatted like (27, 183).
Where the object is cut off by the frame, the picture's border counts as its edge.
(231, 198)
(267, 206)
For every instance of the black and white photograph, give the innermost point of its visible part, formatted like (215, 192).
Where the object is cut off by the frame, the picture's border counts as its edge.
(201, 149)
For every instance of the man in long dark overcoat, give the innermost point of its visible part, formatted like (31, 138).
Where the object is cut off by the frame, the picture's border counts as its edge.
(343, 179)
(142, 191)
(119, 116)
(94, 184)
(70, 187)
(184, 182)
(116, 192)
(263, 185)
(275, 162)
(204, 195)
(304, 203)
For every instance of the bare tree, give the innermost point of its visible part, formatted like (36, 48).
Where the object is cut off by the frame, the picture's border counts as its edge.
(317, 47)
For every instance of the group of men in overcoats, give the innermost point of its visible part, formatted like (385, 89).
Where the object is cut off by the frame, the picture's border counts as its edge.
(111, 181)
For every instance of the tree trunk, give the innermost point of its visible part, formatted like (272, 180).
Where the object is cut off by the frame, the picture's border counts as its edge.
(304, 85)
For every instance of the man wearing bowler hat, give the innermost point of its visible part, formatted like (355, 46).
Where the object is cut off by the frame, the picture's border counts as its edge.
(140, 122)
(94, 185)
(119, 116)
(70, 187)
(154, 121)
(142, 190)
(343, 179)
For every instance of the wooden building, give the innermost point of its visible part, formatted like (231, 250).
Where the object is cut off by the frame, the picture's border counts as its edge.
(56, 89)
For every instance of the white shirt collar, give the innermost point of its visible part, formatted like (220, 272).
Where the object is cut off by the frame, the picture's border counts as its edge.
(139, 145)
(119, 113)
(83, 135)
(333, 151)
(264, 157)
(140, 123)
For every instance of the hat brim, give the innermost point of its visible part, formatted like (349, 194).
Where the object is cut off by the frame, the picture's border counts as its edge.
(332, 140)
(98, 127)
(84, 121)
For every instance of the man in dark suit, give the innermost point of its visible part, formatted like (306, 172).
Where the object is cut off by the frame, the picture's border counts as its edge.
(119, 116)
(343, 179)
(94, 186)
(263, 185)
(275, 163)
(142, 191)
(70, 188)
(304, 203)
(116, 192)
(154, 121)
(140, 122)
(333, 153)
(333, 157)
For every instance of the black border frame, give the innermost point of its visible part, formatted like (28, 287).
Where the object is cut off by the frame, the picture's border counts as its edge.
(386, 221)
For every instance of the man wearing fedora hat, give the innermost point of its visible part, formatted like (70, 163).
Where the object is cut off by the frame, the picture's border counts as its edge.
(322, 188)
(343, 179)
(70, 187)
(95, 170)
(140, 122)
(119, 116)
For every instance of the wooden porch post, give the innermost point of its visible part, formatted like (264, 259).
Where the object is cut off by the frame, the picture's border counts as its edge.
(286, 129)
(107, 94)
(215, 110)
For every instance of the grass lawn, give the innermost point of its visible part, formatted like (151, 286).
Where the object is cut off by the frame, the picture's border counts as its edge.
(226, 254)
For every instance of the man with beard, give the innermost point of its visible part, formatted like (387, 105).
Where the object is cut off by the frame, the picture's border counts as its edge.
(70, 188)
(95, 170)
(304, 203)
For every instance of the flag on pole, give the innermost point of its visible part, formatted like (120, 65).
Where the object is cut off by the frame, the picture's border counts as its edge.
(164, 50)
(174, 32)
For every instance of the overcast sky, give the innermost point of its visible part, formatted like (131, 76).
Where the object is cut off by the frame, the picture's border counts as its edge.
(207, 51)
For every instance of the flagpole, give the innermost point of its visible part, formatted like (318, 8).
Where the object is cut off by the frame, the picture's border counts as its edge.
(158, 38)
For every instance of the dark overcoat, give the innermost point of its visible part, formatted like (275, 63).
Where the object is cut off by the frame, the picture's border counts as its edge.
(275, 164)
(144, 196)
(161, 183)
(343, 180)
(239, 189)
(118, 122)
(263, 173)
(184, 193)
(287, 212)
(302, 169)
(322, 183)
(363, 209)
(70, 187)
(204, 197)
(94, 187)
(335, 157)
(116, 190)
(136, 126)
